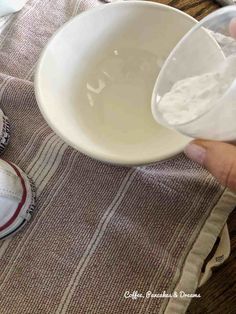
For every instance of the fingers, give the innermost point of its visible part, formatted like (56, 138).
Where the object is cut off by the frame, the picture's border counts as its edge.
(232, 28)
(217, 157)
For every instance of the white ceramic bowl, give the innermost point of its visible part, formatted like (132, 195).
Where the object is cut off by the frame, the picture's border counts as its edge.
(77, 48)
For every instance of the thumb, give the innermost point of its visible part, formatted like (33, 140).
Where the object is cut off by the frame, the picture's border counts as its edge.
(217, 157)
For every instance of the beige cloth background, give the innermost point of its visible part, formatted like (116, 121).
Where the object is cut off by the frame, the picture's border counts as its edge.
(98, 230)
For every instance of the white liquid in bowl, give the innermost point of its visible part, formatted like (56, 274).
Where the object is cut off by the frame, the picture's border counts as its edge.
(114, 101)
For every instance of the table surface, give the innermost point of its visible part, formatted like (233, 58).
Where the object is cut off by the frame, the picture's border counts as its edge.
(218, 295)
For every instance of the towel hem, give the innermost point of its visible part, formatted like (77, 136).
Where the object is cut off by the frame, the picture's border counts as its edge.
(190, 274)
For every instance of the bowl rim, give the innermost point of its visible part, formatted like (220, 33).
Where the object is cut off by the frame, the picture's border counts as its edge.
(105, 157)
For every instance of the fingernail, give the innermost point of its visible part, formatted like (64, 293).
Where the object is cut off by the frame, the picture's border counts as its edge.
(196, 153)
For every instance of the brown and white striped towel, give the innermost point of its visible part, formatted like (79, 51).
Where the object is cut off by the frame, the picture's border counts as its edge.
(99, 230)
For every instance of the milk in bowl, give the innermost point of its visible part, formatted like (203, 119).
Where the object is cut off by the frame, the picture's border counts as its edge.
(95, 79)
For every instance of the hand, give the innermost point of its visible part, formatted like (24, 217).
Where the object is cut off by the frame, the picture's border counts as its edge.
(217, 157)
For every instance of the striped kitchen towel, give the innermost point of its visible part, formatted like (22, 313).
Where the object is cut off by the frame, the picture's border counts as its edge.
(102, 235)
